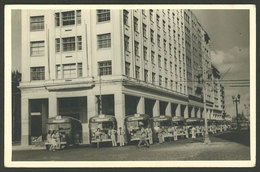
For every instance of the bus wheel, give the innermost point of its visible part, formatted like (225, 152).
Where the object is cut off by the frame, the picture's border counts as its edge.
(47, 147)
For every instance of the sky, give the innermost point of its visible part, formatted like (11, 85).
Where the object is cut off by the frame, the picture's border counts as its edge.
(229, 33)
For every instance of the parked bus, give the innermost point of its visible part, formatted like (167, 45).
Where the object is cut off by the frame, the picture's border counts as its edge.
(180, 124)
(162, 127)
(70, 130)
(100, 126)
(134, 124)
(197, 123)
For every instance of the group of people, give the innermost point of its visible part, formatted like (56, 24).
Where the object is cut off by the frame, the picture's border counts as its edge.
(53, 137)
(112, 133)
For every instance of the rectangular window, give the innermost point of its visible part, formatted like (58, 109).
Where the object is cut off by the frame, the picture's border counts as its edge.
(127, 69)
(126, 41)
(171, 84)
(79, 69)
(68, 18)
(68, 44)
(170, 48)
(158, 19)
(126, 17)
(152, 57)
(153, 78)
(145, 53)
(57, 44)
(103, 15)
(137, 72)
(104, 40)
(151, 15)
(158, 40)
(37, 48)
(57, 19)
(165, 64)
(37, 23)
(146, 75)
(163, 25)
(164, 44)
(136, 48)
(159, 61)
(58, 72)
(105, 68)
(160, 80)
(166, 82)
(152, 35)
(144, 30)
(171, 66)
(135, 24)
(79, 42)
(37, 73)
(78, 12)
(69, 71)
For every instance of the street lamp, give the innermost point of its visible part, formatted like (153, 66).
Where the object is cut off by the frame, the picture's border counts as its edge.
(236, 99)
(203, 81)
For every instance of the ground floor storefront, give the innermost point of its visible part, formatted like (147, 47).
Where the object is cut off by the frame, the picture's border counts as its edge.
(82, 102)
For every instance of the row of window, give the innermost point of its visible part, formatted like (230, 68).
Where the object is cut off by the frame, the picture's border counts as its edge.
(66, 18)
(137, 76)
(68, 44)
(67, 71)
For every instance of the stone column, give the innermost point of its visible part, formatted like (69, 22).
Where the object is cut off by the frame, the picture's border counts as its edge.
(198, 113)
(141, 106)
(193, 111)
(178, 110)
(120, 112)
(92, 110)
(168, 111)
(186, 112)
(53, 111)
(25, 123)
(156, 108)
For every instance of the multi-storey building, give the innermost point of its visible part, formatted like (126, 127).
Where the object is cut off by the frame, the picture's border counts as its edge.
(135, 59)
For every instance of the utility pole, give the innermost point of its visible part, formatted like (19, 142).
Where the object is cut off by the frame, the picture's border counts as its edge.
(236, 99)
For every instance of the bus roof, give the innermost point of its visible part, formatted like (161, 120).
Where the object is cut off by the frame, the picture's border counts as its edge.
(137, 116)
(102, 118)
(162, 118)
(62, 119)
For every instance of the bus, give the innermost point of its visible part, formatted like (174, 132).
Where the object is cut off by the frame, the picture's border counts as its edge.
(134, 123)
(69, 128)
(180, 124)
(162, 125)
(104, 123)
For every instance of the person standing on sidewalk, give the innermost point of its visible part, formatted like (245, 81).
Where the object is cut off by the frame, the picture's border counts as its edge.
(121, 135)
(150, 135)
(113, 137)
(98, 136)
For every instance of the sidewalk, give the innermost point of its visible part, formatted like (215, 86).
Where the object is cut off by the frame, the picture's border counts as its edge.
(17, 146)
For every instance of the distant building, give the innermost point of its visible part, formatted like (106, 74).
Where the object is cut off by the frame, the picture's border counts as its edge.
(145, 60)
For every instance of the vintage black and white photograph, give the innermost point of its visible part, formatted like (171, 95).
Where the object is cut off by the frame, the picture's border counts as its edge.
(130, 86)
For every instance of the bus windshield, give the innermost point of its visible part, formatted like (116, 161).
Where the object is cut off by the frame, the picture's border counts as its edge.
(102, 125)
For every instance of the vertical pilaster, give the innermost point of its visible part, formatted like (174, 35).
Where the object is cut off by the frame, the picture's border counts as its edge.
(178, 110)
(186, 112)
(141, 106)
(193, 111)
(25, 122)
(92, 111)
(53, 106)
(120, 111)
(156, 108)
(168, 111)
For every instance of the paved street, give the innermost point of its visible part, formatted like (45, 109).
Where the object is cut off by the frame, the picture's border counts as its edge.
(226, 146)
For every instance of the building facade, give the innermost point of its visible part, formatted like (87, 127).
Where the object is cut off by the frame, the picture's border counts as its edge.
(140, 61)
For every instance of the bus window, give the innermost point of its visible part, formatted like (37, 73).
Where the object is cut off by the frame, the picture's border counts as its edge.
(107, 125)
